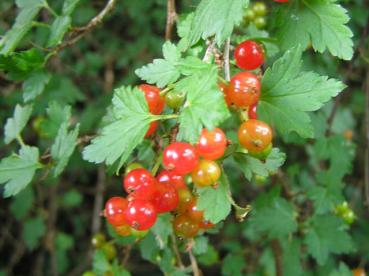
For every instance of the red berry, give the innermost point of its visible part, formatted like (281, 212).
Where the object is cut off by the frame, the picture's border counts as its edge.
(137, 178)
(185, 227)
(180, 157)
(251, 112)
(206, 173)
(249, 55)
(154, 100)
(152, 128)
(224, 88)
(212, 144)
(281, 1)
(166, 198)
(254, 135)
(144, 192)
(193, 212)
(114, 210)
(244, 89)
(140, 214)
(169, 177)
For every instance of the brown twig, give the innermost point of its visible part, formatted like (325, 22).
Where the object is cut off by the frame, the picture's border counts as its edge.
(78, 33)
(127, 254)
(227, 74)
(99, 200)
(209, 50)
(51, 221)
(331, 116)
(366, 121)
(195, 267)
(277, 252)
(171, 18)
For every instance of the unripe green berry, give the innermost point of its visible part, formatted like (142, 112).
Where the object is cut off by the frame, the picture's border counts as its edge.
(98, 240)
(174, 100)
(260, 22)
(132, 167)
(109, 250)
(259, 8)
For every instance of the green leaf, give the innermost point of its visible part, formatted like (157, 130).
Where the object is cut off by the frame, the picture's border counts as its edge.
(100, 262)
(201, 245)
(343, 270)
(149, 248)
(162, 230)
(63, 147)
(184, 31)
(15, 125)
(325, 198)
(72, 198)
(120, 137)
(21, 64)
(57, 115)
(35, 84)
(252, 166)
(204, 106)
(22, 203)
(277, 219)
(233, 265)
(287, 94)
(291, 258)
(162, 71)
(321, 22)
(33, 230)
(69, 6)
(59, 27)
(22, 25)
(17, 170)
(326, 235)
(214, 201)
(216, 18)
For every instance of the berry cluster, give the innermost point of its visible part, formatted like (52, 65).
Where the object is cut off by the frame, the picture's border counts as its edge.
(149, 195)
(256, 13)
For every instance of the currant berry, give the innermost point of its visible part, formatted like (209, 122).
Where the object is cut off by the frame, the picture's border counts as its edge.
(109, 251)
(166, 198)
(144, 192)
(193, 213)
(137, 178)
(154, 100)
(98, 240)
(251, 112)
(206, 173)
(174, 100)
(123, 230)
(249, 15)
(244, 89)
(205, 224)
(358, 272)
(262, 155)
(260, 22)
(211, 144)
(171, 178)
(152, 128)
(185, 198)
(249, 55)
(140, 214)
(180, 157)
(259, 8)
(254, 135)
(114, 210)
(132, 167)
(281, 1)
(185, 227)
(224, 88)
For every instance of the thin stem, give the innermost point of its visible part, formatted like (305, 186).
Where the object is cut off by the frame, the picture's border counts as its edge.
(176, 251)
(156, 166)
(227, 73)
(366, 162)
(166, 90)
(194, 265)
(277, 252)
(171, 18)
(167, 117)
(40, 24)
(20, 140)
(209, 50)
(50, 9)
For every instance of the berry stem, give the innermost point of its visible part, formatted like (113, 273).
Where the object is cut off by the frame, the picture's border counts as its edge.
(156, 166)
(166, 90)
(167, 117)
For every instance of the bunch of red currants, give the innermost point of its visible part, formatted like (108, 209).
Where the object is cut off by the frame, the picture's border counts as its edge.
(149, 196)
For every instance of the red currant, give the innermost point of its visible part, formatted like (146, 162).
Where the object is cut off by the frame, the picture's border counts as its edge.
(244, 89)
(114, 210)
(185, 227)
(140, 214)
(249, 55)
(255, 135)
(212, 144)
(180, 157)
(224, 88)
(137, 178)
(206, 173)
(166, 198)
(169, 177)
(205, 224)
(281, 1)
(193, 212)
(251, 112)
(152, 128)
(358, 272)
(144, 192)
(154, 100)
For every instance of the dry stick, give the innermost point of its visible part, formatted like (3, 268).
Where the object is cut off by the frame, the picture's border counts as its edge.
(366, 162)
(277, 252)
(171, 18)
(194, 265)
(99, 196)
(227, 73)
(85, 29)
